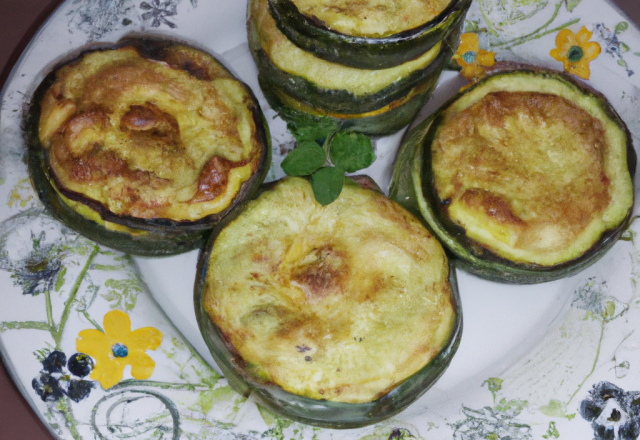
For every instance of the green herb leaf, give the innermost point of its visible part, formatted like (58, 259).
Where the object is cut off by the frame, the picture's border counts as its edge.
(306, 158)
(351, 151)
(306, 127)
(327, 184)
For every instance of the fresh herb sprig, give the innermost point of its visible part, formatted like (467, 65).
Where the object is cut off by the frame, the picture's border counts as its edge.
(341, 152)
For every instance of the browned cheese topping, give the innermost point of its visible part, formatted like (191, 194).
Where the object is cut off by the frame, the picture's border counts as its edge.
(342, 302)
(372, 18)
(523, 172)
(150, 139)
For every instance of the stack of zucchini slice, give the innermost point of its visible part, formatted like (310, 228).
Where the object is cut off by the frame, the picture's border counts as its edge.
(365, 69)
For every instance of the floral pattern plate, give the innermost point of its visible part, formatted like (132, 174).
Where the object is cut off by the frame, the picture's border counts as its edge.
(106, 346)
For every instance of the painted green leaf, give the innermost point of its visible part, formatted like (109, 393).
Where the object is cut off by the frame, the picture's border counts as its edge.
(472, 26)
(306, 158)
(571, 4)
(268, 417)
(207, 399)
(351, 151)
(624, 47)
(494, 384)
(106, 267)
(327, 184)
(556, 408)
(122, 294)
(621, 27)
(609, 310)
(515, 406)
(552, 431)
(622, 369)
(60, 280)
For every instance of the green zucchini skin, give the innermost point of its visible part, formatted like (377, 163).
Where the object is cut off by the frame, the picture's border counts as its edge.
(380, 124)
(412, 185)
(161, 237)
(343, 101)
(364, 52)
(323, 413)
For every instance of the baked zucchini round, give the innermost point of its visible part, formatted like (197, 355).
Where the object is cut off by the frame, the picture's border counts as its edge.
(526, 176)
(367, 35)
(337, 316)
(145, 145)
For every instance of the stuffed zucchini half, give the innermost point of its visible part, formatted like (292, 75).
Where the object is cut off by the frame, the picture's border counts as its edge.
(144, 146)
(367, 34)
(357, 97)
(526, 176)
(338, 316)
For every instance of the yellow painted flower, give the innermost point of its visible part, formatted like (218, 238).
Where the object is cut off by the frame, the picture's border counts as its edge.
(575, 51)
(471, 58)
(118, 347)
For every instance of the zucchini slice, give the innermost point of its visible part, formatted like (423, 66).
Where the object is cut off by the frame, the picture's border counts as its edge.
(379, 122)
(337, 316)
(121, 151)
(526, 177)
(343, 36)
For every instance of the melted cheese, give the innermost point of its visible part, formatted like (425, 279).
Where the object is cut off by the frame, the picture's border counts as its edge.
(325, 74)
(341, 302)
(536, 177)
(372, 18)
(150, 139)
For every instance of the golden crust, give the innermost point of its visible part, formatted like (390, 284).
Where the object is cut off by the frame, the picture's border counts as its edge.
(342, 302)
(525, 173)
(372, 18)
(170, 139)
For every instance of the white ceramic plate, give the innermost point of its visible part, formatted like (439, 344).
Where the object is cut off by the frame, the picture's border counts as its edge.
(556, 360)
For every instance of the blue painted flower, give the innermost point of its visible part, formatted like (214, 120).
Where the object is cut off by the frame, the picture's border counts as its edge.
(593, 296)
(613, 45)
(54, 382)
(614, 414)
(32, 248)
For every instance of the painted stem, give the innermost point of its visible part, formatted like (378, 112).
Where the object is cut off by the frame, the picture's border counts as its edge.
(90, 319)
(164, 385)
(489, 25)
(550, 31)
(69, 418)
(52, 325)
(57, 334)
(553, 17)
(595, 362)
(18, 325)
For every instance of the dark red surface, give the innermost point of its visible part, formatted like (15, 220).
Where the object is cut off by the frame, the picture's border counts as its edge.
(19, 19)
